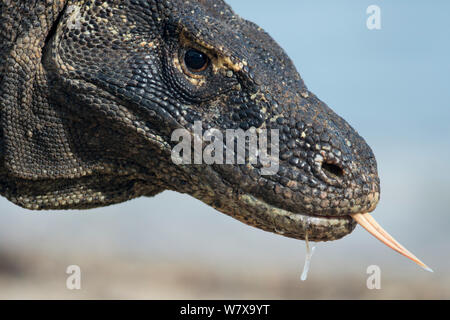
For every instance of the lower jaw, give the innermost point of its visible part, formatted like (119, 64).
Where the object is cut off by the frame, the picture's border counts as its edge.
(257, 213)
(230, 200)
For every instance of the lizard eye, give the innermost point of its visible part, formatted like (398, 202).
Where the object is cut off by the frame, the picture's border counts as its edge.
(195, 60)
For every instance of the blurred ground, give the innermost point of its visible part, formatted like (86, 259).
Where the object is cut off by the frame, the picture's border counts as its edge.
(39, 276)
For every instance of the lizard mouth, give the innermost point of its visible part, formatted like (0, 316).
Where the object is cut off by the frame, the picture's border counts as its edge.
(324, 228)
(314, 226)
(240, 202)
(260, 214)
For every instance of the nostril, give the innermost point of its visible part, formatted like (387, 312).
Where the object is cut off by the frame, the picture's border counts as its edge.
(332, 170)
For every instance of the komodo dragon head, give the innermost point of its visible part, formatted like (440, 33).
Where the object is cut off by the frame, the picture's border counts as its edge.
(91, 92)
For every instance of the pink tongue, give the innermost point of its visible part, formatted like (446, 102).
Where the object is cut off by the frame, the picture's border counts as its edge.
(369, 223)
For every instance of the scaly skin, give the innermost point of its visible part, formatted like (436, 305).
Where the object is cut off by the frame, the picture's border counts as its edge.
(91, 91)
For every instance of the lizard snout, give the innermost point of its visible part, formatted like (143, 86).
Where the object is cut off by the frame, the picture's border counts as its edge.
(326, 168)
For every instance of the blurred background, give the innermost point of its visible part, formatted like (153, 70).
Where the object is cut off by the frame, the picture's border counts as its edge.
(391, 84)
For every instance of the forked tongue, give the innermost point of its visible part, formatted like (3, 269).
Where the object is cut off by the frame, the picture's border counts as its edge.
(368, 222)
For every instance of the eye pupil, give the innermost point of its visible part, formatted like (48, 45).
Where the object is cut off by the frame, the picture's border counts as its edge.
(195, 60)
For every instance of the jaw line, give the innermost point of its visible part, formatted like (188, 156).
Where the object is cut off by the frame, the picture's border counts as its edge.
(231, 200)
(295, 225)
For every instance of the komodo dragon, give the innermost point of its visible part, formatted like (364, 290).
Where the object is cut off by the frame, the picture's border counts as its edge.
(91, 91)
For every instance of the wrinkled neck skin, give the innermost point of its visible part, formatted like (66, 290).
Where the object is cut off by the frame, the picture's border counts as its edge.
(91, 92)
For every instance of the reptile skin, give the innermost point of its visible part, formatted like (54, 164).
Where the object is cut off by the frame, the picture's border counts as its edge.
(91, 91)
